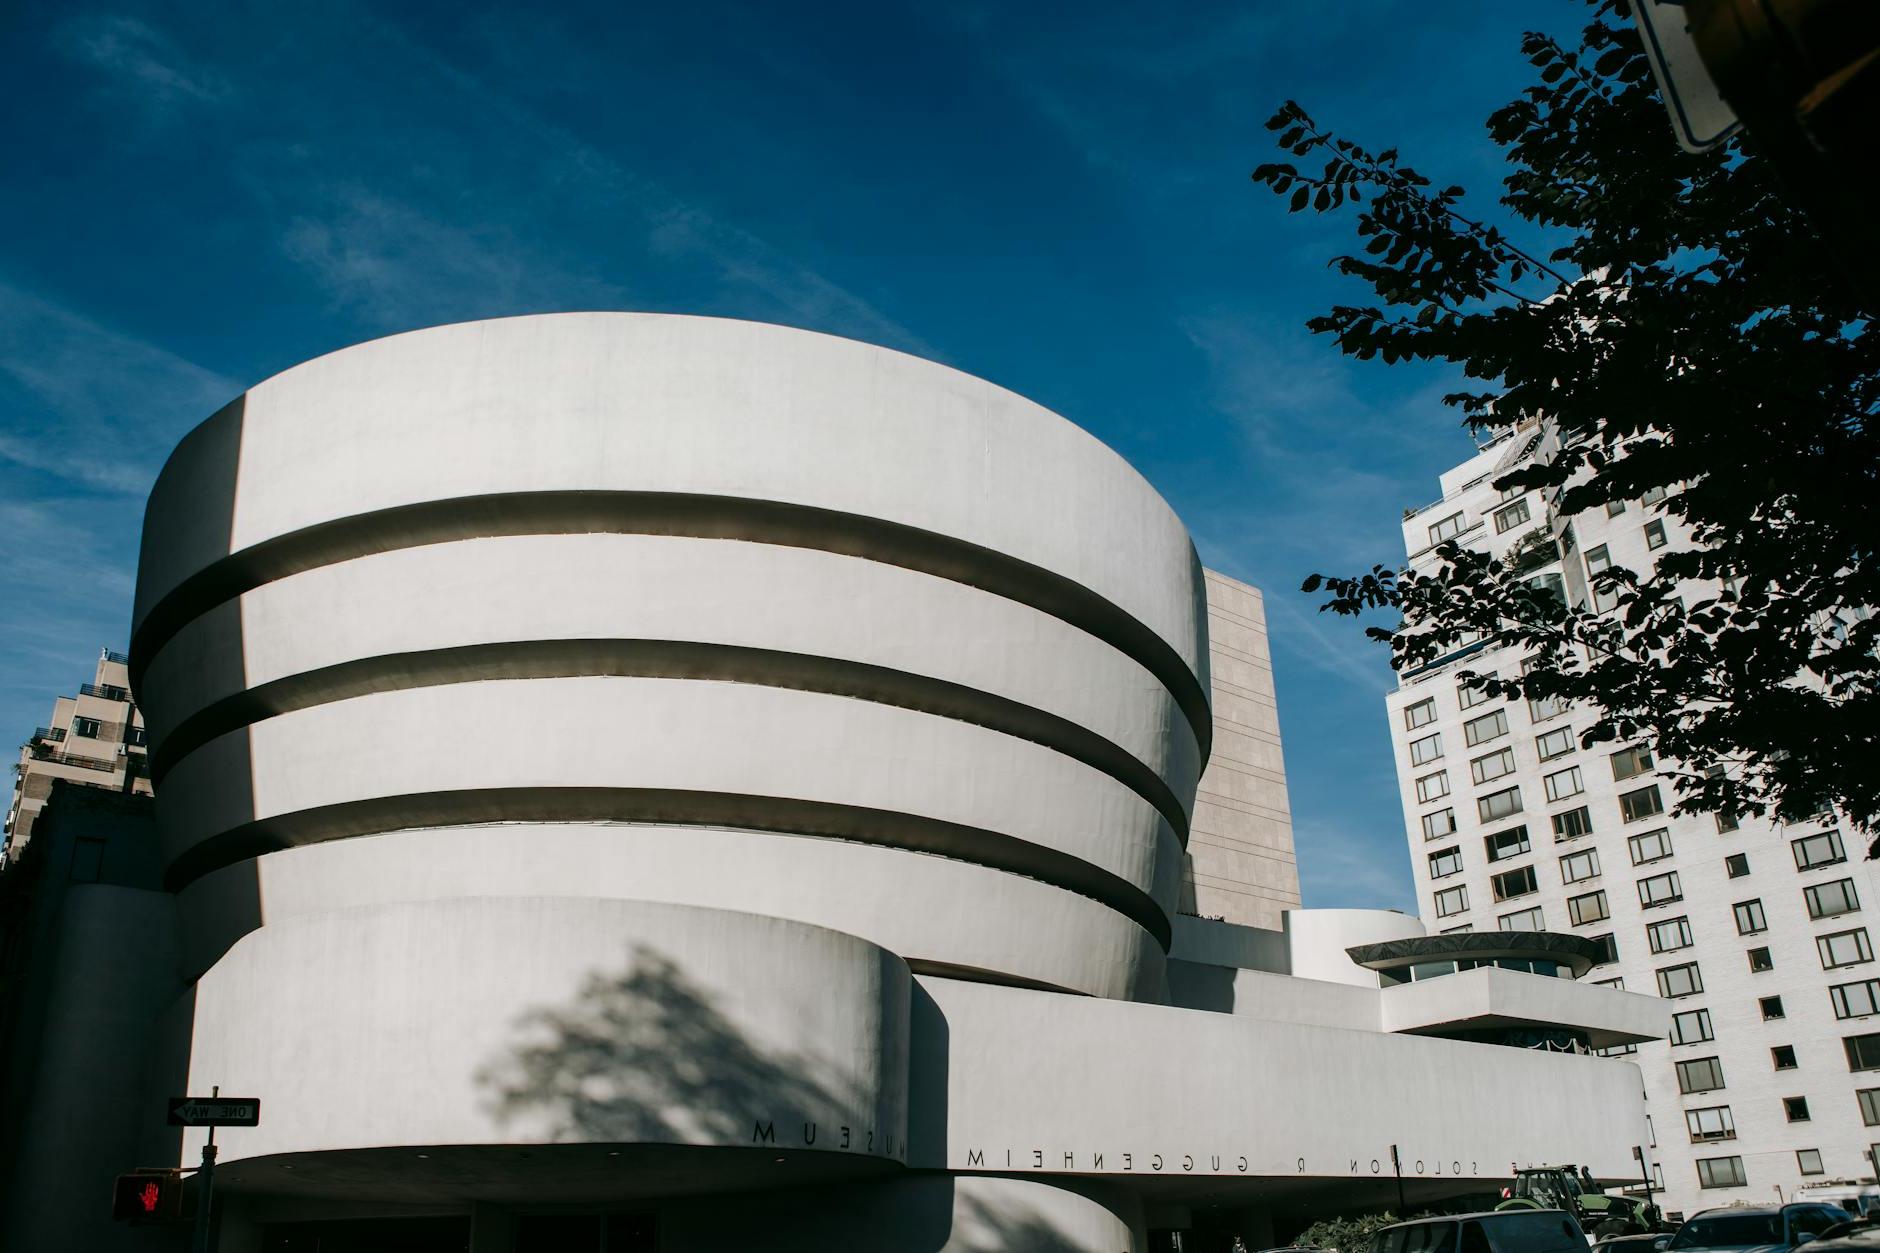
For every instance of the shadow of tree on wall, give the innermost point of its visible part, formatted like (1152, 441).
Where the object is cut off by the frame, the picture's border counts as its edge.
(647, 1055)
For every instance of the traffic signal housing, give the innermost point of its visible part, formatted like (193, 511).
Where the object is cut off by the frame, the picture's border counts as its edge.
(151, 1197)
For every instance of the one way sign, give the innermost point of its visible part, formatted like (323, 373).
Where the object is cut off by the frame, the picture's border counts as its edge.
(214, 1111)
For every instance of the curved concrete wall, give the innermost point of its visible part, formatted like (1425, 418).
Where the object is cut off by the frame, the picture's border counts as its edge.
(732, 591)
(1318, 939)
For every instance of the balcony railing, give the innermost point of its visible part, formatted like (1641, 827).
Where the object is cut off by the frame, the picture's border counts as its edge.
(51, 735)
(73, 759)
(104, 691)
(122, 659)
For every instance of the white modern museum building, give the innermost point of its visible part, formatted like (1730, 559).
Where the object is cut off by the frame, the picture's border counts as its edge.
(631, 782)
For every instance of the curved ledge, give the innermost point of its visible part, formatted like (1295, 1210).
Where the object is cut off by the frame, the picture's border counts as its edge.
(1576, 951)
(672, 807)
(674, 513)
(670, 659)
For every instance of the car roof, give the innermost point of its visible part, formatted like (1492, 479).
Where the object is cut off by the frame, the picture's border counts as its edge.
(1481, 1213)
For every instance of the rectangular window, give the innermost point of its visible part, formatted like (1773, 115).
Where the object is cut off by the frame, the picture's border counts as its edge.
(1498, 804)
(1818, 850)
(1869, 1099)
(1670, 935)
(1782, 1057)
(1829, 900)
(1736, 865)
(1760, 961)
(1655, 534)
(1652, 495)
(1452, 901)
(1598, 560)
(1510, 516)
(1714, 1123)
(1685, 980)
(1514, 883)
(1588, 908)
(1660, 889)
(1644, 803)
(1721, 1172)
(1573, 823)
(1432, 787)
(1469, 696)
(1808, 1162)
(1771, 1007)
(1631, 761)
(1701, 1074)
(1795, 1108)
(1556, 743)
(1505, 844)
(1492, 766)
(1856, 1000)
(1564, 783)
(1614, 508)
(1844, 948)
(1485, 728)
(1749, 917)
(1579, 867)
(1526, 920)
(1447, 529)
(87, 727)
(1650, 846)
(1439, 824)
(1427, 749)
(1691, 1027)
(1445, 862)
(1863, 1052)
(1420, 714)
(1541, 708)
(1726, 823)
(1608, 949)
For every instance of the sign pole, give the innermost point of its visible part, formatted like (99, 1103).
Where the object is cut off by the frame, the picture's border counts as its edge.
(205, 1235)
(1396, 1164)
(1644, 1169)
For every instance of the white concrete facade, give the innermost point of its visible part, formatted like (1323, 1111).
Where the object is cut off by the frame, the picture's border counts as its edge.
(1737, 907)
(745, 778)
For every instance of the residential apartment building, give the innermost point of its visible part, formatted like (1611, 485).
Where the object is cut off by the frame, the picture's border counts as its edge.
(1761, 932)
(95, 737)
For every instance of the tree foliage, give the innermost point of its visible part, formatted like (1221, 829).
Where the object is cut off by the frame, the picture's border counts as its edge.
(1347, 1235)
(1676, 324)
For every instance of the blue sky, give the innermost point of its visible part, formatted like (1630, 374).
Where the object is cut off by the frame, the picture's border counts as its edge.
(1050, 196)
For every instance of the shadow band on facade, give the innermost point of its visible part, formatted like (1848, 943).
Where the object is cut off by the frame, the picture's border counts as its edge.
(673, 807)
(668, 659)
(674, 513)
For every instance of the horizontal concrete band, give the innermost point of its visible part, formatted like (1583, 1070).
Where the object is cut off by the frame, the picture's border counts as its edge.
(670, 659)
(670, 513)
(940, 915)
(666, 807)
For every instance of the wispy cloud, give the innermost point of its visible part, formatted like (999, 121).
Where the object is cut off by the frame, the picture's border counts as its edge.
(141, 59)
(1343, 869)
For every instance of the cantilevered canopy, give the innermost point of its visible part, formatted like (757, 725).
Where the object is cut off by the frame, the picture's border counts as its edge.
(1575, 952)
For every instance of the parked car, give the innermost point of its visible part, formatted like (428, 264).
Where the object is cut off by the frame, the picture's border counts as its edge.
(1497, 1231)
(1633, 1244)
(1764, 1228)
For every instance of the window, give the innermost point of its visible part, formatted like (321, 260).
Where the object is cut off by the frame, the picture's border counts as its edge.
(1736, 865)
(1427, 749)
(1660, 889)
(1439, 824)
(1432, 787)
(1452, 901)
(1618, 984)
(1448, 528)
(1573, 823)
(1691, 1027)
(1564, 783)
(1588, 908)
(1492, 766)
(1771, 1007)
(1844, 948)
(1818, 850)
(1420, 714)
(1795, 1108)
(1856, 1000)
(1631, 761)
(1498, 804)
(1685, 980)
(1869, 1099)
(1579, 867)
(87, 727)
(1652, 496)
(1485, 728)
(1783, 1057)
(1827, 900)
(1643, 803)
(1597, 560)
(1608, 949)
(1863, 1052)
(1655, 534)
(134, 736)
(1541, 708)
(1749, 917)
(1526, 920)
(1760, 962)
(1614, 508)
(1726, 823)
(1721, 1172)
(1554, 744)
(1511, 516)
(1650, 846)
(1445, 862)
(1670, 935)
(1808, 1162)
(1470, 696)
(1505, 844)
(1702, 1074)
(1714, 1123)
(1514, 883)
